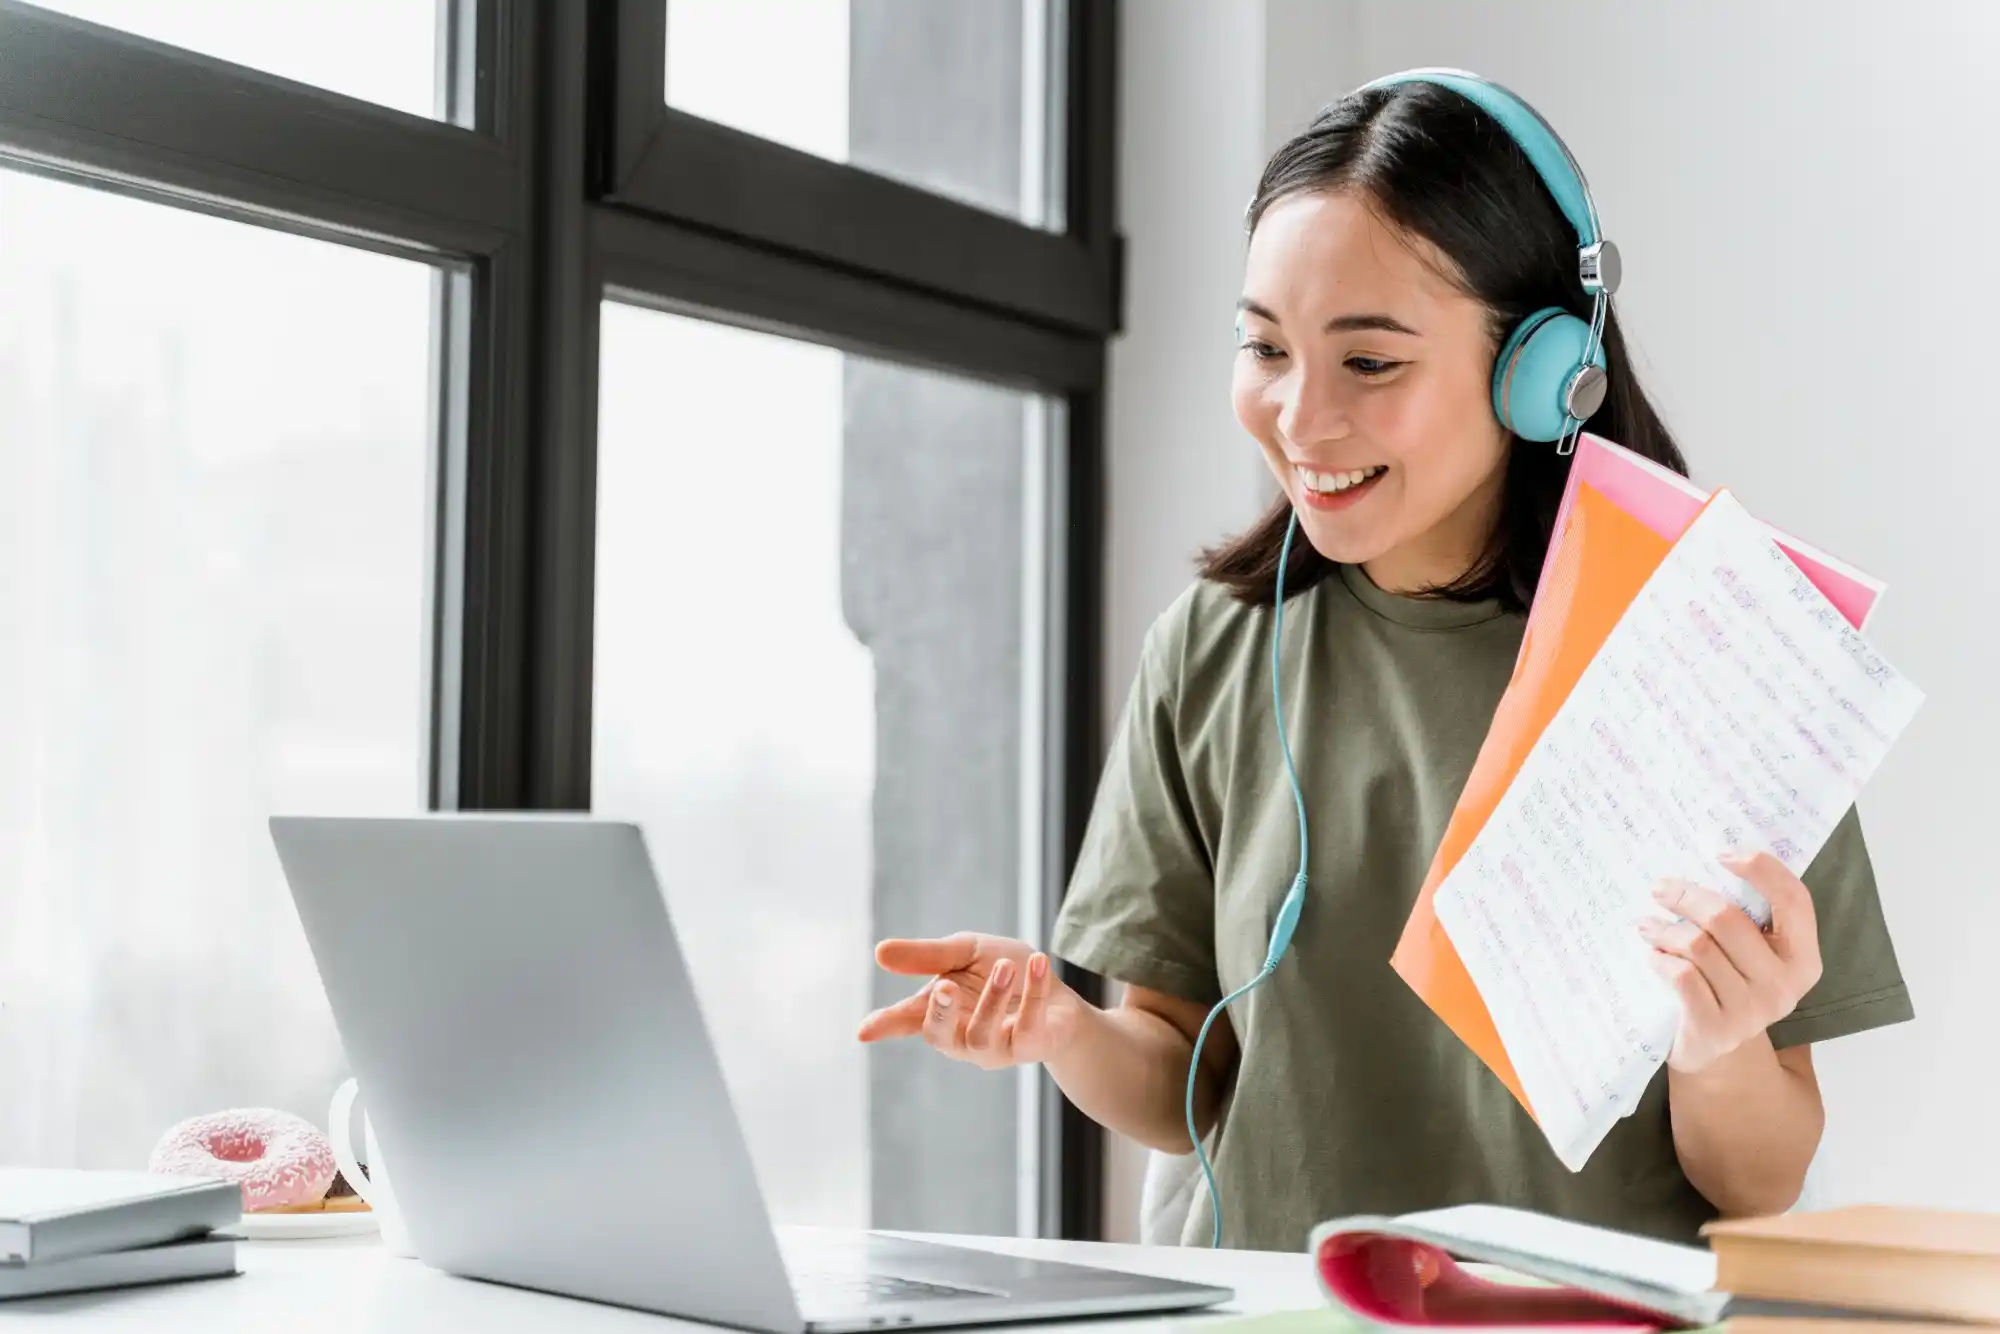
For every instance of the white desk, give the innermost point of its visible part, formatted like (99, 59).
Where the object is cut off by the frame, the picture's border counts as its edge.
(355, 1287)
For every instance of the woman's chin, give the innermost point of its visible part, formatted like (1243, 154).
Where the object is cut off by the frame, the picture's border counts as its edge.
(1341, 542)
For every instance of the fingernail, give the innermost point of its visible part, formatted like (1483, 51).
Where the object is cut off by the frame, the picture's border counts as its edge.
(942, 995)
(1003, 973)
(1665, 893)
(1734, 858)
(1038, 966)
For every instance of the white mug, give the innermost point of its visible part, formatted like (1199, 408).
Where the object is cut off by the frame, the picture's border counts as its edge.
(373, 1185)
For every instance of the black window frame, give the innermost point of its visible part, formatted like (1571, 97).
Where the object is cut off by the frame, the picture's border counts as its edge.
(560, 178)
(664, 162)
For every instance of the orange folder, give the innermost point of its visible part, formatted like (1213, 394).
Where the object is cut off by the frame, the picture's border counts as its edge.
(1619, 518)
(1601, 556)
(1596, 565)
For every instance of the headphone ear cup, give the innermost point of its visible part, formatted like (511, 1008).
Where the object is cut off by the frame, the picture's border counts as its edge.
(1532, 374)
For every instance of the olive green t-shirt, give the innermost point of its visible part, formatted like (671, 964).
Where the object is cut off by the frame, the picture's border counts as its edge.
(1351, 1096)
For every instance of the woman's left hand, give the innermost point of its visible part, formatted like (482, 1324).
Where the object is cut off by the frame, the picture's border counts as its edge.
(1734, 979)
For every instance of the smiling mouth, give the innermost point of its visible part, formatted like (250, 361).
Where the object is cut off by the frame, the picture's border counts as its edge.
(1334, 483)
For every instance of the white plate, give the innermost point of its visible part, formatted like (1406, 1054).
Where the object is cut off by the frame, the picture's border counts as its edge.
(301, 1227)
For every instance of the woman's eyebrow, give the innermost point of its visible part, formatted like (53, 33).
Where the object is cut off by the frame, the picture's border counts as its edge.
(1372, 321)
(1340, 323)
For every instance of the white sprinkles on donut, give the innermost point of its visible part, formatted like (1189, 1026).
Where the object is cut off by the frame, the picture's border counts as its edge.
(275, 1157)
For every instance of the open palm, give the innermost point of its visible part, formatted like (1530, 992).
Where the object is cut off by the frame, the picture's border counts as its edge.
(991, 1001)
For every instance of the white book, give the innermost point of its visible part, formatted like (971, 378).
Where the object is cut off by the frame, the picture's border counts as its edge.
(49, 1214)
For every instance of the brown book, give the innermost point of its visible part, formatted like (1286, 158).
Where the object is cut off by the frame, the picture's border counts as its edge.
(1881, 1258)
(1836, 1324)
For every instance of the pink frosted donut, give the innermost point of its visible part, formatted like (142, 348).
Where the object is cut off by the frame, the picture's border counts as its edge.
(277, 1158)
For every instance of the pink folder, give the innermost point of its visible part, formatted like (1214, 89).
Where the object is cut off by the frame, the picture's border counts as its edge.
(1667, 502)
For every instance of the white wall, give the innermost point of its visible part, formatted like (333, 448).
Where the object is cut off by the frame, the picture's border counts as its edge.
(1803, 204)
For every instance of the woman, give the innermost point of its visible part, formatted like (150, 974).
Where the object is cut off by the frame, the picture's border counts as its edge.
(1392, 245)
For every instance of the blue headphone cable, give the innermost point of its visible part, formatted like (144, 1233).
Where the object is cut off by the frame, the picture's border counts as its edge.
(1288, 912)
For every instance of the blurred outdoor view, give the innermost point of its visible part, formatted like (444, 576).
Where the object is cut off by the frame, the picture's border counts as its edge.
(215, 458)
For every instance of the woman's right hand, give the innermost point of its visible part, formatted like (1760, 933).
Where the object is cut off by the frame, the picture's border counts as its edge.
(991, 1001)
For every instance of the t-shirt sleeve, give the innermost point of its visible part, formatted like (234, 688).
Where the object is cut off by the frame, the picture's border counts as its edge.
(1140, 908)
(1860, 985)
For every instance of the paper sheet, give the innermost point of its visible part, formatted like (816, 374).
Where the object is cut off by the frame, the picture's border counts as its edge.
(1731, 707)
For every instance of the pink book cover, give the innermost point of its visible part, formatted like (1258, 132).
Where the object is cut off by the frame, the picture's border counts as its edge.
(1667, 502)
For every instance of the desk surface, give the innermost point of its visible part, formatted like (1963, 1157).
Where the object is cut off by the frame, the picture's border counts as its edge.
(353, 1286)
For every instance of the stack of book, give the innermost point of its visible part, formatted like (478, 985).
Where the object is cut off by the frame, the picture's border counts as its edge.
(73, 1230)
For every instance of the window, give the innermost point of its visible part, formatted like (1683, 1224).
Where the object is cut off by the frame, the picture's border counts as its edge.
(381, 444)
(382, 51)
(815, 660)
(954, 96)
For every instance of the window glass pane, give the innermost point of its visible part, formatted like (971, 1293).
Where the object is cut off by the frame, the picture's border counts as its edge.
(214, 445)
(377, 50)
(961, 97)
(810, 649)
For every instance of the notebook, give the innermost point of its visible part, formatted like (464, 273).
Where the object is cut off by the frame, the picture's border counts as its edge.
(1404, 1270)
(49, 1214)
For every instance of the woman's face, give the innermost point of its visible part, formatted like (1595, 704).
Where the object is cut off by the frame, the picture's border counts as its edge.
(1359, 361)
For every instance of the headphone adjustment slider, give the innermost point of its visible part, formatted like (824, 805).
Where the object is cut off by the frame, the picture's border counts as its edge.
(1600, 268)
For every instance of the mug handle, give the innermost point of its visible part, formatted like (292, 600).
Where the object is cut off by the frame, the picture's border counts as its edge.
(340, 1133)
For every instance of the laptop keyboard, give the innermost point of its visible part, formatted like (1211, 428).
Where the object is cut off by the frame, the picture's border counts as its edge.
(822, 1291)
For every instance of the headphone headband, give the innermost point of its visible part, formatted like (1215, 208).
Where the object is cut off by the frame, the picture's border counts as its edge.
(1552, 158)
(1597, 258)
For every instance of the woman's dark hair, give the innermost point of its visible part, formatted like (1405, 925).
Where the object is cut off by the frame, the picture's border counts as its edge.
(1439, 168)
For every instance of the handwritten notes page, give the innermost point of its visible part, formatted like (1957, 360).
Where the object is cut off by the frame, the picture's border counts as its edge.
(1731, 707)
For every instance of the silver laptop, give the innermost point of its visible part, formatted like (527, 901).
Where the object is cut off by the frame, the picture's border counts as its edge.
(516, 1007)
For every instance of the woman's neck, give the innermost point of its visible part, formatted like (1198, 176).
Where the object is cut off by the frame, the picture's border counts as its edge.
(1444, 554)
(1408, 573)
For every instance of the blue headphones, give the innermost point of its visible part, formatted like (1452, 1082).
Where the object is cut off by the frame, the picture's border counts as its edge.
(1549, 377)
(1547, 381)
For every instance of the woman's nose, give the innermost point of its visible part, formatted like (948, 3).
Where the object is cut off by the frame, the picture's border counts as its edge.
(1311, 408)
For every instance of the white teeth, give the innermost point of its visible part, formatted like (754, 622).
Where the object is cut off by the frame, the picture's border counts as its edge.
(1334, 482)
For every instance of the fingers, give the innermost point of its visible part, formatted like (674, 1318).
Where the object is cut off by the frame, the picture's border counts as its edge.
(1683, 943)
(1695, 1044)
(946, 954)
(1794, 923)
(1698, 999)
(904, 1019)
(982, 1034)
(1030, 1023)
(1714, 927)
(944, 1018)
(962, 1013)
